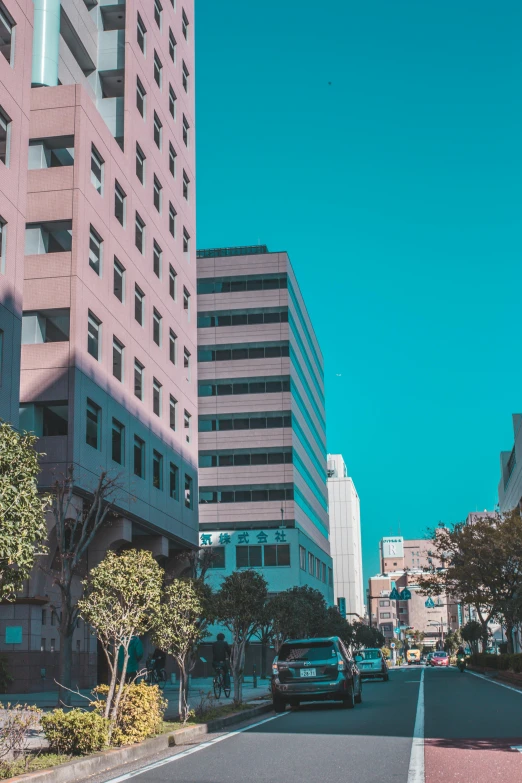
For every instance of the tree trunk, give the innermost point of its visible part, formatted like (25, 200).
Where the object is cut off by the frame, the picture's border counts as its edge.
(509, 637)
(237, 660)
(67, 626)
(183, 692)
(263, 661)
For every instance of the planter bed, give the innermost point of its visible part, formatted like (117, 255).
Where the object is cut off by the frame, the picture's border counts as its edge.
(503, 675)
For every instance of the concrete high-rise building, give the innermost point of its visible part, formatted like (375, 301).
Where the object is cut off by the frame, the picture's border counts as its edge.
(262, 459)
(345, 539)
(510, 485)
(97, 216)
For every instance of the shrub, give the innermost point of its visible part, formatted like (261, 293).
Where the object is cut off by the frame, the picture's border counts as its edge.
(140, 712)
(75, 732)
(516, 663)
(17, 721)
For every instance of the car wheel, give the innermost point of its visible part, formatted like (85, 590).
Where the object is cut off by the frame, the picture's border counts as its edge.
(294, 702)
(278, 704)
(386, 677)
(349, 700)
(358, 698)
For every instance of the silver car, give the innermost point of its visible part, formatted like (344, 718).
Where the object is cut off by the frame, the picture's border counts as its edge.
(372, 664)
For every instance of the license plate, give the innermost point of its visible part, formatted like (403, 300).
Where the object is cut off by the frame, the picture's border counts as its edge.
(308, 672)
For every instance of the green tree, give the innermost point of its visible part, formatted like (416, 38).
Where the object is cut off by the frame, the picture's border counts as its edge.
(452, 641)
(239, 606)
(122, 597)
(23, 528)
(297, 613)
(178, 631)
(367, 636)
(471, 633)
(76, 522)
(336, 625)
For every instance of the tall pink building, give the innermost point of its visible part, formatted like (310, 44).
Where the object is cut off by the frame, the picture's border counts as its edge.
(97, 209)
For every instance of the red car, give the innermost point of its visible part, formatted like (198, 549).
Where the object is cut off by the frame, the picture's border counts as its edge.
(440, 658)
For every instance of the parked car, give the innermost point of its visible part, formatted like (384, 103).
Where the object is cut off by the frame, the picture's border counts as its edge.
(440, 658)
(315, 670)
(372, 663)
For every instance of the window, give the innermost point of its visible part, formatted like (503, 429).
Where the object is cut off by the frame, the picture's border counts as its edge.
(310, 563)
(330, 577)
(53, 645)
(138, 379)
(242, 457)
(93, 425)
(184, 25)
(5, 137)
(186, 363)
(174, 481)
(139, 305)
(243, 386)
(139, 457)
(157, 470)
(172, 160)
(323, 575)
(185, 77)
(276, 554)
(157, 193)
(172, 282)
(218, 557)
(172, 412)
(157, 131)
(236, 353)
(157, 12)
(157, 69)
(186, 128)
(385, 615)
(7, 26)
(186, 301)
(302, 558)
(156, 259)
(241, 318)
(94, 336)
(139, 234)
(45, 419)
(172, 102)
(172, 46)
(118, 442)
(172, 346)
(118, 285)
(156, 327)
(95, 251)
(187, 425)
(141, 34)
(117, 359)
(119, 203)
(141, 97)
(45, 326)
(188, 492)
(140, 164)
(186, 182)
(249, 556)
(44, 616)
(172, 220)
(3, 242)
(97, 169)
(384, 603)
(186, 241)
(244, 421)
(228, 285)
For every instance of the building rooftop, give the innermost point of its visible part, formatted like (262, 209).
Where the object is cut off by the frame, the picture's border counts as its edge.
(224, 252)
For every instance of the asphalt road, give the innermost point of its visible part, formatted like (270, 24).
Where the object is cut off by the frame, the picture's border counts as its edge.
(465, 734)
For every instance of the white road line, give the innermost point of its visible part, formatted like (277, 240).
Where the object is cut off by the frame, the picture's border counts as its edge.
(501, 684)
(171, 759)
(517, 747)
(416, 768)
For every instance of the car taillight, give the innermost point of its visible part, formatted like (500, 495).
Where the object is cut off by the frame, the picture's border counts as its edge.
(340, 665)
(275, 670)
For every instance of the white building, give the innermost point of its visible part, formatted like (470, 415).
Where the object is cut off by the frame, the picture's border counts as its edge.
(510, 485)
(345, 539)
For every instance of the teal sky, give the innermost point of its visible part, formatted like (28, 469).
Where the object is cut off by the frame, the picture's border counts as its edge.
(396, 190)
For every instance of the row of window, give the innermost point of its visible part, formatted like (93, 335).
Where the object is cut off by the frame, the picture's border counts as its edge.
(258, 494)
(315, 566)
(230, 285)
(225, 388)
(118, 361)
(242, 319)
(158, 18)
(7, 26)
(225, 459)
(93, 438)
(260, 351)
(267, 556)
(141, 105)
(258, 421)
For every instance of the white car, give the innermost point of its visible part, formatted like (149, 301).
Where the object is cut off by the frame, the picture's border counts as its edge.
(372, 663)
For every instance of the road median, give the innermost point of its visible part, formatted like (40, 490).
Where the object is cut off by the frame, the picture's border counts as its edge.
(82, 768)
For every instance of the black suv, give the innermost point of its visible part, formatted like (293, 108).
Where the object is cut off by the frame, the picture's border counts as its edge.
(315, 670)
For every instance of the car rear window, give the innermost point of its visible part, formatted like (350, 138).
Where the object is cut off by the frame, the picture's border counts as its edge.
(440, 655)
(370, 655)
(311, 651)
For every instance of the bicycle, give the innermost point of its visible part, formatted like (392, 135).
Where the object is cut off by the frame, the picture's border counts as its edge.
(155, 676)
(219, 683)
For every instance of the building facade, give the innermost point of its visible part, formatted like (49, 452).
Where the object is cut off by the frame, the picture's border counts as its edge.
(345, 539)
(263, 499)
(510, 484)
(98, 234)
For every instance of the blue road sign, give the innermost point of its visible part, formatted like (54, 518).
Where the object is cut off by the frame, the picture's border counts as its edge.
(394, 595)
(405, 595)
(429, 604)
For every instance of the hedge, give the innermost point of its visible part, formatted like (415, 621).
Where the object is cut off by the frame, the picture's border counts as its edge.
(501, 662)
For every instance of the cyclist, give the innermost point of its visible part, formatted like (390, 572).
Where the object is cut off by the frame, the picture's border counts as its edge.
(461, 658)
(221, 657)
(158, 659)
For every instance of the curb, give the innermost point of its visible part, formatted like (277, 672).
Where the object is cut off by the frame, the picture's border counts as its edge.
(110, 759)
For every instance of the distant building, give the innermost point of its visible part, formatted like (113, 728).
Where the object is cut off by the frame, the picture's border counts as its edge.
(345, 539)
(510, 485)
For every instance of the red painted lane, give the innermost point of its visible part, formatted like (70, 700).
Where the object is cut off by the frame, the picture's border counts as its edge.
(473, 761)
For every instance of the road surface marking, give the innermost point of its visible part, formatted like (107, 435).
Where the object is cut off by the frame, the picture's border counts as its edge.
(416, 768)
(171, 759)
(517, 747)
(502, 684)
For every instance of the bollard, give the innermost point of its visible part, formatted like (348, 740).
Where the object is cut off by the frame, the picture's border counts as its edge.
(254, 685)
